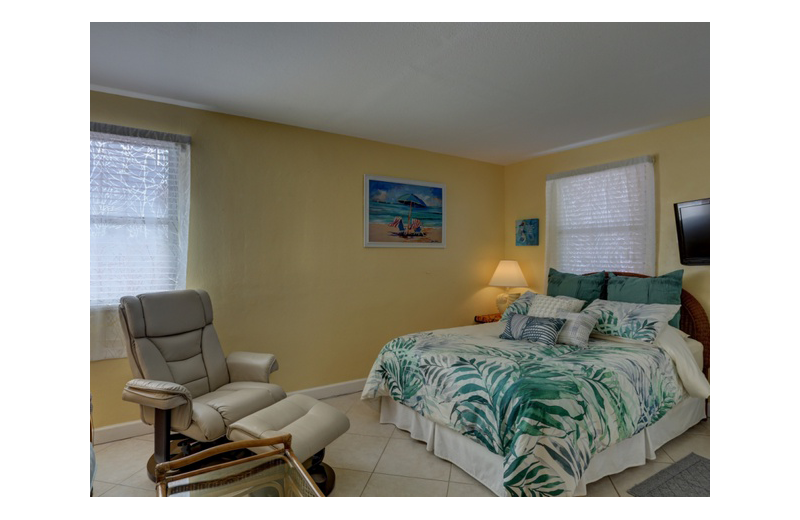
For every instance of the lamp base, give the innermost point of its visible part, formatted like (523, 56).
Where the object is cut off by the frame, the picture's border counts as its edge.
(506, 299)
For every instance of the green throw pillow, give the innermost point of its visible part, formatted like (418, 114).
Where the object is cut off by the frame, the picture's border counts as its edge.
(665, 289)
(520, 306)
(586, 287)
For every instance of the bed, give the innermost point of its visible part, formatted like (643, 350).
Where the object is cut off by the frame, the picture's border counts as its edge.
(537, 416)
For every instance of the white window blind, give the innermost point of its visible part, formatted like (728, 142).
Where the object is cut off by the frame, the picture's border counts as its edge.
(139, 222)
(602, 218)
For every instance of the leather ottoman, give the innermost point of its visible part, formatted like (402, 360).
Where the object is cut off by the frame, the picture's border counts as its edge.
(312, 425)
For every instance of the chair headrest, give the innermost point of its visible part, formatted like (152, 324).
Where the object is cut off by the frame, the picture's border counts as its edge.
(166, 313)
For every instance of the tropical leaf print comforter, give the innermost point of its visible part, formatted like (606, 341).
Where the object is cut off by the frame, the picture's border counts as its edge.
(545, 410)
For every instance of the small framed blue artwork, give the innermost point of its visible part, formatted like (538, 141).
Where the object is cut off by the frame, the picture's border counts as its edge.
(528, 232)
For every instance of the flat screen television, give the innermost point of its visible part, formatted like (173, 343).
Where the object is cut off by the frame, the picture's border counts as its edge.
(693, 220)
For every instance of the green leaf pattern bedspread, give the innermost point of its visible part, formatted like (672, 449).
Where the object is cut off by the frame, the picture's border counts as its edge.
(545, 410)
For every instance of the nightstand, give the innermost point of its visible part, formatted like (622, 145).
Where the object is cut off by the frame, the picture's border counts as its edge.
(488, 318)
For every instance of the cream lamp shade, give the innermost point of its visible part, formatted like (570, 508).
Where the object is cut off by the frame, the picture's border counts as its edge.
(508, 274)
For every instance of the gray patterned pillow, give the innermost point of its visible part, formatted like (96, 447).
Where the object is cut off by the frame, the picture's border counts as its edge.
(576, 330)
(535, 330)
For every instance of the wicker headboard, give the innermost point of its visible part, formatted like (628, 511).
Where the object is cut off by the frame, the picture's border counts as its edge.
(694, 321)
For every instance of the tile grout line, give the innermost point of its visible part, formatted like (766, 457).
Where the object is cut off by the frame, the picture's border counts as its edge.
(614, 486)
(372, 473)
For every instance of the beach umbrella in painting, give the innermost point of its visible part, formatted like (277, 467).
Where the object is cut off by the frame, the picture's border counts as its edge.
(412, 201)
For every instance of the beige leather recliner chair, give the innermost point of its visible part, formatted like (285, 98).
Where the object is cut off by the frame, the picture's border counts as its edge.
(184, 383)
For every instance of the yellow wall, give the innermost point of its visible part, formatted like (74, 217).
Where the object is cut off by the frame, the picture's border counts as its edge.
(276, 238)
(682, 172)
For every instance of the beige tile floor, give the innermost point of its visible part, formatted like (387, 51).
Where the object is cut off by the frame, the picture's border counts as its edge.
(380, 460)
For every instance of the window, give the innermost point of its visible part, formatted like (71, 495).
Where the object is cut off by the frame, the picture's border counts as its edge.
(139, 209)
(602, 218)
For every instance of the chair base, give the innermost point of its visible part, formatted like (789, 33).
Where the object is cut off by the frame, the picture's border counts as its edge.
(324, 477)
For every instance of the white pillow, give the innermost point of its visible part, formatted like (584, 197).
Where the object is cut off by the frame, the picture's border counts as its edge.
(544, 306)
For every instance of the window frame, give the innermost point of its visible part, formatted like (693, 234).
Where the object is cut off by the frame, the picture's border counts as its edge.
(623, 178)
(165, 214)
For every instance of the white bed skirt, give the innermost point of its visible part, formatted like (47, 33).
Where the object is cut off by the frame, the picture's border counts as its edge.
(487, 467)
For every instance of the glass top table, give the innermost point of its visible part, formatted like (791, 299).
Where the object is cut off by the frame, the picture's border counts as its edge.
(273, 471)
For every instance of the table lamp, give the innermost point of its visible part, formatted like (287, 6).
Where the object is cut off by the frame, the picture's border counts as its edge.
(508, 275)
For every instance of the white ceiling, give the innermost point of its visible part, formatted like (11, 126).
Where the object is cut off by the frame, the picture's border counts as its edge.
(495, 92)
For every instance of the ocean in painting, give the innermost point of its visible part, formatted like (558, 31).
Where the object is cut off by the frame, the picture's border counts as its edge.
(385, 213)
(384, 205)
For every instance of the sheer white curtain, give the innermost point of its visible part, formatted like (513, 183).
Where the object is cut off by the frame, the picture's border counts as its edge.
(139, 223)
(602, 218)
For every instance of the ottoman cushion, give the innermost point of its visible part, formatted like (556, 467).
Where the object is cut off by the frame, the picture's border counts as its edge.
(311, 423)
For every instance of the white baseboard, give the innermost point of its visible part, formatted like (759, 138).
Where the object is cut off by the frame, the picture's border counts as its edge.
(324, 392)
(118, 432)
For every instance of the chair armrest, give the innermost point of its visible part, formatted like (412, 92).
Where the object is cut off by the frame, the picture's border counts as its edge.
(251, 366)
(163, 395)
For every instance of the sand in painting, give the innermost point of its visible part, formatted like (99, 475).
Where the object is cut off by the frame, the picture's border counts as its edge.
(385, 233)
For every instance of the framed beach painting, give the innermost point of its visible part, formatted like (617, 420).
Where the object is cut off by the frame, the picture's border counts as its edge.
(403, 213)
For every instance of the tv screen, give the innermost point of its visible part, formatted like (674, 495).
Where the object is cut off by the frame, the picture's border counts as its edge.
(693, 220)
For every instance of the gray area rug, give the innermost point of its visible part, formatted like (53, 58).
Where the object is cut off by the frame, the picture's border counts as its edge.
(689, 477)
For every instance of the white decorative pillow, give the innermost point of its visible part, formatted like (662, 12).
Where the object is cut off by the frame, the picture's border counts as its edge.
(576, 329)
(544, 306)
(635, 321)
